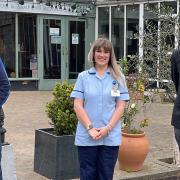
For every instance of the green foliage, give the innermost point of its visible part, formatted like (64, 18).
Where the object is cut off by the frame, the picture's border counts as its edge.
(158, 42)
(136, 84)
(124, 65)
(129, 124)
(60, 110)
(129, 113)
(154, 65)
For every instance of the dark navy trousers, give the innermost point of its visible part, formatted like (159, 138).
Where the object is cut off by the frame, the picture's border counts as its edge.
(177, 136)
(97, 162)
(2, 116)
(0, 162)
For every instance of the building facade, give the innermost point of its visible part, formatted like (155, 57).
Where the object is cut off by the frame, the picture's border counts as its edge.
(47, 41)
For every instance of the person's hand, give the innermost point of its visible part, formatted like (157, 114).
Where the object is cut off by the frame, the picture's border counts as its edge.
(103, 131)
(94, 133)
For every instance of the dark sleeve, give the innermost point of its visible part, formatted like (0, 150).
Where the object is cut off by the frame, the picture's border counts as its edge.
(4, 84)
(174, 70)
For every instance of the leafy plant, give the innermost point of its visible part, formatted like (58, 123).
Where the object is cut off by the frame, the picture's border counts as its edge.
(60, 110)
(124, 65)
(153, 67)
(129, 118)
(158, 38)
(137, 104)
(136, 84)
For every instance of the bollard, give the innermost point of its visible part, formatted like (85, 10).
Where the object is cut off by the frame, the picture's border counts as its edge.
(2, 129)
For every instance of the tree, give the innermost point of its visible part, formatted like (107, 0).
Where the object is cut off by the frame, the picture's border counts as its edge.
(159, 36)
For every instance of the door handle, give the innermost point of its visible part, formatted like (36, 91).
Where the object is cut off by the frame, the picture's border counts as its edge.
(66, 51)
(63, 50)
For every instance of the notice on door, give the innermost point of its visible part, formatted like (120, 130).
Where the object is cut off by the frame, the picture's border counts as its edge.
(54, 31)
(33, 62)
(55, 39)
(75, 38)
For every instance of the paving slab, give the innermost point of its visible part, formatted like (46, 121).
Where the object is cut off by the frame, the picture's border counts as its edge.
(25, 112)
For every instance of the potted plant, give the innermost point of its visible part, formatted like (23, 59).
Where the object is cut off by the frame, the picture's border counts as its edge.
(55, 155)
(134, 147)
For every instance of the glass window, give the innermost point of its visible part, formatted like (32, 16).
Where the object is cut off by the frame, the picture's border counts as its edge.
(77, 49)
(52, 48)
(103, 21)
(150, 45)
(27, 49)
(7, 42)
(158, 45)
(118, 30)
(170, 4)
(132, 31)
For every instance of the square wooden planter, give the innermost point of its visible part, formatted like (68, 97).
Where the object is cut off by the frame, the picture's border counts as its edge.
(55, 157)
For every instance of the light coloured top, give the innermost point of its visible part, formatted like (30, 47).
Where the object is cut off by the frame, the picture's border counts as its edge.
(99, 106)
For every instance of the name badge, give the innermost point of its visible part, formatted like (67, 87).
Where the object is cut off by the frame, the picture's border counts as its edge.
(115, 92)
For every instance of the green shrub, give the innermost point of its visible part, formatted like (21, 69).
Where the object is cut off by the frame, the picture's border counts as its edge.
(60, 110)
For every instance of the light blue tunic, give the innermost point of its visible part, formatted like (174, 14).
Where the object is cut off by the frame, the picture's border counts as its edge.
(99, 106)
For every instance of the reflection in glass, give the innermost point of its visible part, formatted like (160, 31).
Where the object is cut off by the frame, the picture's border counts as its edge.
(77, 48)
(103, 22)
(132, 31)
(27, 50)
(7, 42)
(170, 4)
(158, 45)
(52, 48)
(117, 29)
(150, 39)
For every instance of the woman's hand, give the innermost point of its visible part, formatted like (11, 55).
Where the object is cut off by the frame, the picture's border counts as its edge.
(102, 132)
(93, 133)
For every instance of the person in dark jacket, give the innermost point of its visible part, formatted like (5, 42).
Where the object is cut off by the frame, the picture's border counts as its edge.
(4, 93)
(175, 74)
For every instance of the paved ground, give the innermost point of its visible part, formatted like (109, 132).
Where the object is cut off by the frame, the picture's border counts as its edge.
(25, 113)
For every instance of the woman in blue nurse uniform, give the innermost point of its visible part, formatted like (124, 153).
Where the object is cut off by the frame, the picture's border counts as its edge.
(100, 94)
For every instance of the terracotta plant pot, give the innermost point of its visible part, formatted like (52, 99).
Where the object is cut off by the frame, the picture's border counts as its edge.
(133, 151)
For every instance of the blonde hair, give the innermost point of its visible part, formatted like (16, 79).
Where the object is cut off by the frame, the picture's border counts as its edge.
(115, 69)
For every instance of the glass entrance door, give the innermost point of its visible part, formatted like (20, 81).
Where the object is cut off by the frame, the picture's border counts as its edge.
(77, 48)
(62, 49)
(52, 47)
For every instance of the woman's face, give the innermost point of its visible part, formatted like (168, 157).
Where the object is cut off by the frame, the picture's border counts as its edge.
(101, 57)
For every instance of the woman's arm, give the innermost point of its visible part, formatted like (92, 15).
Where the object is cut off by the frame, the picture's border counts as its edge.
(118, 113)
(83, 117)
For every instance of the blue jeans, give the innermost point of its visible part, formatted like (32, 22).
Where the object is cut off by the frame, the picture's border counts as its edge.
(97, 162)
(177, 136)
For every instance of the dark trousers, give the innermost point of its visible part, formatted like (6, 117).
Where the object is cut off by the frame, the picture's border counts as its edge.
(97, 162)
(0, 160)
(177, 136)
(1, 124)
